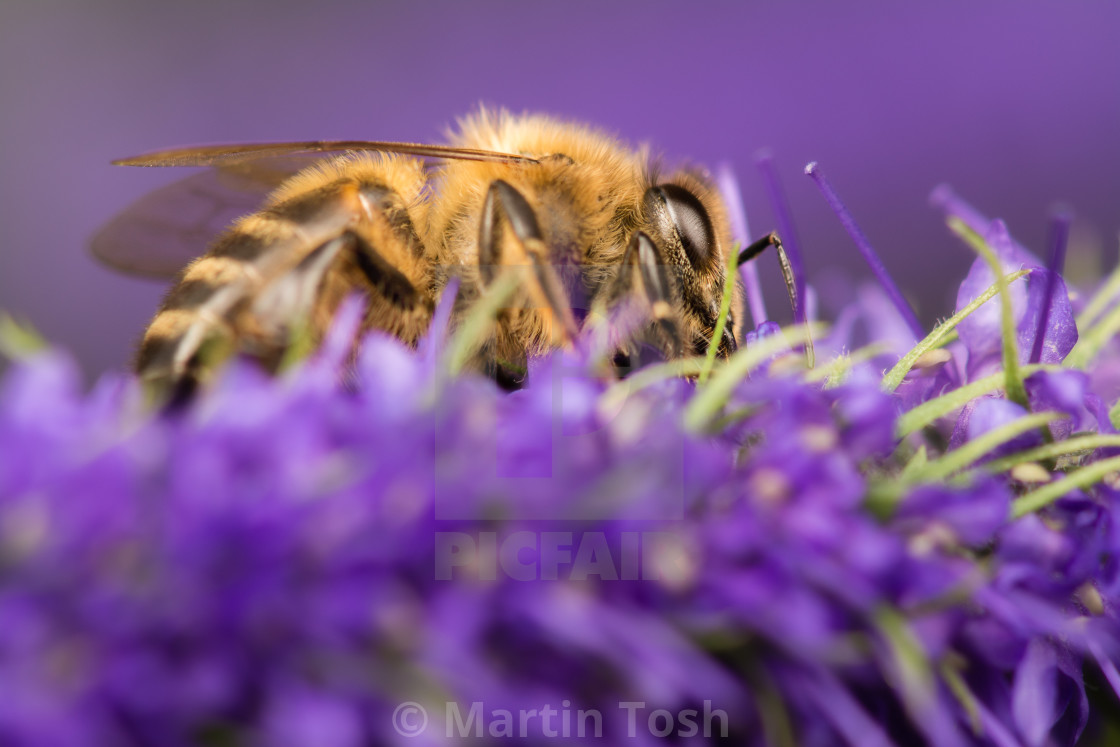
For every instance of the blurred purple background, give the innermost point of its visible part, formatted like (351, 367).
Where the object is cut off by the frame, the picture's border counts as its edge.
(1015, 104)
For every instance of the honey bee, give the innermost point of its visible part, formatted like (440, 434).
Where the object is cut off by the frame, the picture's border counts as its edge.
(587, 222)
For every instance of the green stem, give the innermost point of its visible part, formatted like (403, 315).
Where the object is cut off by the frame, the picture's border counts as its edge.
(959, 688)
(18, 341)
(1016, 391)
(915, 680)
(1047, 494)
(1054, 450)
(710, 400)
(644, 378)
(937, 337)
(724, 310)
(832, 373)
(974, 449)
(1093, 339)
(930, 410)
(472, 334)
(1100, 301)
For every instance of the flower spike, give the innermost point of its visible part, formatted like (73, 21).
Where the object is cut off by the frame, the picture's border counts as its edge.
(740, 232)
(865, 249)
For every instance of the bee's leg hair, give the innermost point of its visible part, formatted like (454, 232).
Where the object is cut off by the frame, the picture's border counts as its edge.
(504, 201)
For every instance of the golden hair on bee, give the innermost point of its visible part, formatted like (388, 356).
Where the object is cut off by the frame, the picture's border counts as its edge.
(587, 223)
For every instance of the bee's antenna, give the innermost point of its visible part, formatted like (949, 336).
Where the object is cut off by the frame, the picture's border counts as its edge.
(757, 248)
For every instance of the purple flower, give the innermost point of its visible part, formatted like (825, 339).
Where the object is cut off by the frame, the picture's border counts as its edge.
(293, 560)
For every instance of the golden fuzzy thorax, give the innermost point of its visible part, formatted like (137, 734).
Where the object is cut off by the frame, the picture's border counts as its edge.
(398, 231)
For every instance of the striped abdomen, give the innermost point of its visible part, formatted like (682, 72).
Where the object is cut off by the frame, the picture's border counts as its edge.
(341, 227)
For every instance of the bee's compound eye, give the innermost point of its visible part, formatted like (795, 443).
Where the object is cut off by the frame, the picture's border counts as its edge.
(689, 221)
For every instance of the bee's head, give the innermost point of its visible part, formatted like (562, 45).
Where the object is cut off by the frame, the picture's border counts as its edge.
(676, 261)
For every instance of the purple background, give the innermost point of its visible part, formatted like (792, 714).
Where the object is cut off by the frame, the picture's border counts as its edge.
(1015, 104)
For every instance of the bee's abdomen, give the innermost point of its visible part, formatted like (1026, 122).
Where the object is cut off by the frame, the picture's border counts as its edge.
(201, 319)
(195, 321)
(265, 275)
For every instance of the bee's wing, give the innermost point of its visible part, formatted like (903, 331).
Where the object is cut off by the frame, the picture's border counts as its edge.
(215, 155)
(164, 230)
(158, 234)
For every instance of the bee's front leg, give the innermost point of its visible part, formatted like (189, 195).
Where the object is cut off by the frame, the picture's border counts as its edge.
(758, 247)
(644, 278)
(523, 244)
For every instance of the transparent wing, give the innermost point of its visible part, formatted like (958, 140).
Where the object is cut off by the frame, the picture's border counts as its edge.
(213, 155)
(164, 230)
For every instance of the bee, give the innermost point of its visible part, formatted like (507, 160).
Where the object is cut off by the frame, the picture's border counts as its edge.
(585, 221)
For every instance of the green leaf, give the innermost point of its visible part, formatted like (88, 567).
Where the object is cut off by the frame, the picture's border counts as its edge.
(938, 336)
